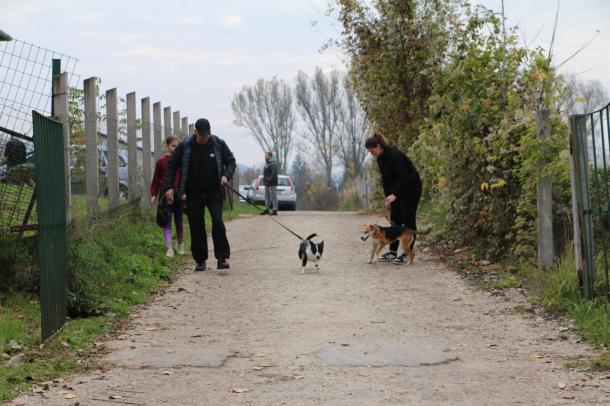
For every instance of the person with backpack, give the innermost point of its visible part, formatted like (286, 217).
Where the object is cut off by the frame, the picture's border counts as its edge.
(206, 165)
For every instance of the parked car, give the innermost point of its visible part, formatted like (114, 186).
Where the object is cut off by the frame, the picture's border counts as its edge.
(243, 191)
(77, 168)
(286, 194)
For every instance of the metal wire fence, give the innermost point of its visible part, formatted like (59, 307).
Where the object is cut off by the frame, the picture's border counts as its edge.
(25, 86)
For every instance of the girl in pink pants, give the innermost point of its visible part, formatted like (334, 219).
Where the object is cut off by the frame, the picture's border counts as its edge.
(175, 209)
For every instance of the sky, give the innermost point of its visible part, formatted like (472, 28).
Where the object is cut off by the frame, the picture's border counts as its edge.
(195, 55)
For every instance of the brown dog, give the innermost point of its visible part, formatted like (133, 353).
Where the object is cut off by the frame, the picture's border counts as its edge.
(382, 236)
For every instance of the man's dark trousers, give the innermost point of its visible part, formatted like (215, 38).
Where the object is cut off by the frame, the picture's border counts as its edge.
(195, 205)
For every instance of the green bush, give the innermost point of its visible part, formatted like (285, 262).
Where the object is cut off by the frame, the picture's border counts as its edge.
(114, 262)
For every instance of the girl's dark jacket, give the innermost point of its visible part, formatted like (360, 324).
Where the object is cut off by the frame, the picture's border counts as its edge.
(225, 161)
(398, 174)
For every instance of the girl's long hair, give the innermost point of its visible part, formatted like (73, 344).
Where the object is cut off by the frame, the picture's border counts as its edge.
(377, 140)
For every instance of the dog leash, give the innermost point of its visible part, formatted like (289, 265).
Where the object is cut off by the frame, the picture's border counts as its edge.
(261, 210)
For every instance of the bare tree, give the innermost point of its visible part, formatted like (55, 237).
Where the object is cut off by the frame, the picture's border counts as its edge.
(353, 129)
(266, 109)
(580, 97)
(318, 101)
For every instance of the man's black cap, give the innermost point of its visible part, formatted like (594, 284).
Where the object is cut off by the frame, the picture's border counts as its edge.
(203, 126)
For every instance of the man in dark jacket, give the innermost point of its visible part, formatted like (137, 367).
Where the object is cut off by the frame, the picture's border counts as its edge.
(206, 164)
(270, 182)
(402, 187)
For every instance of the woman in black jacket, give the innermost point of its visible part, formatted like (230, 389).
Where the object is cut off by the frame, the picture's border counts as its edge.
(401, 185)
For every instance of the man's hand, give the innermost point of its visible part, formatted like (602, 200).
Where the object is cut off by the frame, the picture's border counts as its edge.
(389, 200)
(224, 181)
(153, 199)
(169, 194)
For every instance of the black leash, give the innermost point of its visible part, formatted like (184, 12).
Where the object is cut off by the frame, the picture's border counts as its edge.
(261, 210)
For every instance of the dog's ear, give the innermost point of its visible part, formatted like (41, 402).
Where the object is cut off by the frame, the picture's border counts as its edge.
(321, 246)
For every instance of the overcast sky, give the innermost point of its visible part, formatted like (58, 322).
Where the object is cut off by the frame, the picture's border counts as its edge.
(194, 55)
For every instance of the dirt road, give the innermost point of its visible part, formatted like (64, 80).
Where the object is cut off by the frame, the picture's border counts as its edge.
(350, 334)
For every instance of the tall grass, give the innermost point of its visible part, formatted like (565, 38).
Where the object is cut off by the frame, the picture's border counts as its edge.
(561, 294)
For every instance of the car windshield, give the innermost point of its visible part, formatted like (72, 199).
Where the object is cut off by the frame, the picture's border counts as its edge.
(283, 182)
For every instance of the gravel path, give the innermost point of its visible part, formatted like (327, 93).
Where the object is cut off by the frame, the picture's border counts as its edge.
(350, 334)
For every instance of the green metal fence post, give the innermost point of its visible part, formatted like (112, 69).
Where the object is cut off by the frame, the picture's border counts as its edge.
(52, 232)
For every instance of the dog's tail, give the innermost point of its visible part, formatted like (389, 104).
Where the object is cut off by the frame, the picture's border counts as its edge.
(311, 236)
(424, 231)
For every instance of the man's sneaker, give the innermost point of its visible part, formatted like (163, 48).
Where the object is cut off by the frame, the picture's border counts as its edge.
(223, 264)
(264, 212)
(200, 267)
(274, 213)
(387, 257)
(180, 248)
(401, 259)
(170, 252)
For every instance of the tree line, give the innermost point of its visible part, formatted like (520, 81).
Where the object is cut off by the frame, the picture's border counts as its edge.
(317, 119)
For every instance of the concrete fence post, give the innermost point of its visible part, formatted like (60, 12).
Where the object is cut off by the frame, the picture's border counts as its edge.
(146, 155)
(91, 146)
(132, 146)
(158, 134)
(112, 148)
(176, 126)
(191, 129)
(184, 128)
(544, 203)
(60, 109)
(167, 122)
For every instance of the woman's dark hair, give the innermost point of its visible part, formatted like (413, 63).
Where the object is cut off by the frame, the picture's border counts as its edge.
(170, 139)
(377, 140)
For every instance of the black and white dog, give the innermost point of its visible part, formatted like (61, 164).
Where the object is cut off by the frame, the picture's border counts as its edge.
(309, 250)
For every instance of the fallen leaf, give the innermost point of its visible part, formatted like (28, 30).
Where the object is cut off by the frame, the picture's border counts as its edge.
(535, 355)
(561, 385)
(115, 397)
(240, 390)
(167, 373)
(70, 396)
(297, 377)
(265, 365)
(257, 368)
(569, 397)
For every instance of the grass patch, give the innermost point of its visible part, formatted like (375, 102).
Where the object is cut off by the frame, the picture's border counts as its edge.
(115, 263)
